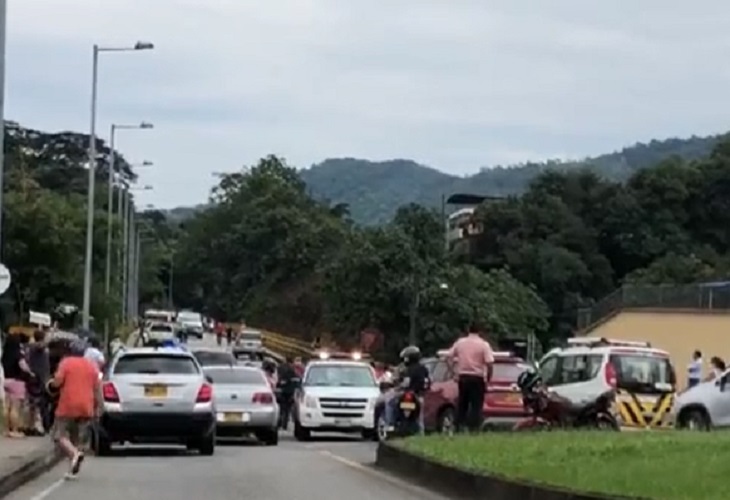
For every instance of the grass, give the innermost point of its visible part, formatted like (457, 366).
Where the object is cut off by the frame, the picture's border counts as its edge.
(667, 465)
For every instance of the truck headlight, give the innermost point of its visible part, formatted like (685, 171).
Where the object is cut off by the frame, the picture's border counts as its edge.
(310, 401)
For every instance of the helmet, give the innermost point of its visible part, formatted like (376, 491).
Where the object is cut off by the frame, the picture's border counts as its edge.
(411, 354)
(529, 380)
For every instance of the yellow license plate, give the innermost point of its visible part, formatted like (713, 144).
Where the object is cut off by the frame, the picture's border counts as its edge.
(155, 391)
(233, 417)
(408, 406)
(513, 398)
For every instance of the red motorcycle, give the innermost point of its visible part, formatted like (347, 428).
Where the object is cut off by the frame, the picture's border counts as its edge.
(549, 410)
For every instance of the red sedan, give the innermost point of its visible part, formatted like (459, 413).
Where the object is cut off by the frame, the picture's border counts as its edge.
(502, 403)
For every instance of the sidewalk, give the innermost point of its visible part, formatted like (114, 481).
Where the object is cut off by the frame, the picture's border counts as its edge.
(22, 460)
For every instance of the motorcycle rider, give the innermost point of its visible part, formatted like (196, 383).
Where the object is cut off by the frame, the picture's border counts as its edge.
(413, 377)
(287, 384)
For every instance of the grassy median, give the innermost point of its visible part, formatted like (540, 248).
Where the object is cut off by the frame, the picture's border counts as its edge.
(667, 465)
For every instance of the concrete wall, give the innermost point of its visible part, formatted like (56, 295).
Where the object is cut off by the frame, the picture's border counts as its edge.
(679, 332)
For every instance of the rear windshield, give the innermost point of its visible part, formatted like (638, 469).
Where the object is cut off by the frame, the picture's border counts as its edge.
(228, 376)
(641, 371)
(161, 328)
(248, 356)
(154, 364)
(251, 336)
(508, 372)
(206, 358)
(192, 317)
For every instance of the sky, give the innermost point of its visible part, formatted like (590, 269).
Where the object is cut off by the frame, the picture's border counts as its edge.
(457, 85)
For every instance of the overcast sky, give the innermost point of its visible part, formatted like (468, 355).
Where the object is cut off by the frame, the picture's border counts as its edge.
(455, 84)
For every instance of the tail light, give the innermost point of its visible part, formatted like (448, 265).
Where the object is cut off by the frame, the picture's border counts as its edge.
(109, 393)
(263, 398)
(408, 397)
(205, 394)
(609, 372)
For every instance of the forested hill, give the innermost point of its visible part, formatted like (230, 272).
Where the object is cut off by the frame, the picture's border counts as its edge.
(374, 190)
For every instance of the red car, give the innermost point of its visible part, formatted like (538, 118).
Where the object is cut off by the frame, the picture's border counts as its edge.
(502, 404)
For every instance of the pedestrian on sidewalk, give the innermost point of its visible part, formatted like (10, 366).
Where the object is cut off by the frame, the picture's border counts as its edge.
(77, 381)
(17, 373)
(38, 400)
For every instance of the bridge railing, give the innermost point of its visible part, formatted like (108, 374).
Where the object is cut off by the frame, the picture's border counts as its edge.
(287, 346)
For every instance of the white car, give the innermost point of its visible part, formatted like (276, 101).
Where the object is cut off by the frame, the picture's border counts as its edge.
(705, 406)
(191, 323)
(336, 396)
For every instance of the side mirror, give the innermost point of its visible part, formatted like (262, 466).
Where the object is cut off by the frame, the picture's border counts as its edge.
(209, 379)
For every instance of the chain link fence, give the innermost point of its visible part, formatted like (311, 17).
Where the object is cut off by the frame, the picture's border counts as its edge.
(708, 296)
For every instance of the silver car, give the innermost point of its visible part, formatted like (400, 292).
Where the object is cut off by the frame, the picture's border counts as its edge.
(156, 395)
(245, 403)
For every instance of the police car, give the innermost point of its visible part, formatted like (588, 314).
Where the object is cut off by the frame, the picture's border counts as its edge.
(337, 394)
(642, 377)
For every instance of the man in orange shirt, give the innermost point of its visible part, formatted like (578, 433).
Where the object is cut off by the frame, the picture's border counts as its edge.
(473, 358)
(77, 380)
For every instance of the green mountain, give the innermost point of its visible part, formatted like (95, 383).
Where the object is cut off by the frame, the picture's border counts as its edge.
(374, 190)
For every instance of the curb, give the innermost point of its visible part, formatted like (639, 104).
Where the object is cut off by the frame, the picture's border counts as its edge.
(460, 484)
(27, 468)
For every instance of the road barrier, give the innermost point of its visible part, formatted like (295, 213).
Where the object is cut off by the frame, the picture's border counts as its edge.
(285, 345)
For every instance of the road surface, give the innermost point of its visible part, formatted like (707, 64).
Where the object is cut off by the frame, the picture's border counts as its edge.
(333, 468)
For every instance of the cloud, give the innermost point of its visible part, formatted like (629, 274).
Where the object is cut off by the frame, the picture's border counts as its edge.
(457, 85)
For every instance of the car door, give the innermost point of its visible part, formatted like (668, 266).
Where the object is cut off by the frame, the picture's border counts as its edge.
(441, 393)
(718, 401)
(576, 375)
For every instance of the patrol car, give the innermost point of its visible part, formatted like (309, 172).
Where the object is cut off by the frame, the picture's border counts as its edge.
(336, 395)
(643, 378)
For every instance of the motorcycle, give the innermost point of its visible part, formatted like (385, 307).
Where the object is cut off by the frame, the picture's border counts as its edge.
(549, 410)
(406, 417)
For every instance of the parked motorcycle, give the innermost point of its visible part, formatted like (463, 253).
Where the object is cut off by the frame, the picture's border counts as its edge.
(549, 410)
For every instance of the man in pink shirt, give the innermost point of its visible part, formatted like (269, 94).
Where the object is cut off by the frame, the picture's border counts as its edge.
(473, 358)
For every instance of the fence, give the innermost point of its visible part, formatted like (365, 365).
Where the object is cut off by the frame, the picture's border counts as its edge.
(707, 296)
(286, 346)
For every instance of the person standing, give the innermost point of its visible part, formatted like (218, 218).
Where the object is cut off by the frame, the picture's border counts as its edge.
(694, 370)
(287, 383)
(93, 353)
(39, 363)
(77, 381)
(299, 367)
(17, 373)
(473, 358)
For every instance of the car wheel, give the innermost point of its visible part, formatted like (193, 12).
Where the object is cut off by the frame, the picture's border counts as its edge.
(381, 428)
(100, 445)
(370, 435)
(446, 423)
(301, 433)
(207, 445)
(696, 420)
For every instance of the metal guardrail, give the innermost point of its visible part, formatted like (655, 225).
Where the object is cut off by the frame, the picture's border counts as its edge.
(706, 296)
(286, 345)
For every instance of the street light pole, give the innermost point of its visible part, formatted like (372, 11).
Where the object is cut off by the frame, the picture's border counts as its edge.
(88, 264)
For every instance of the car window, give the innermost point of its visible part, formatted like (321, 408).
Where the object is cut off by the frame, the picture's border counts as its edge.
(250, 335)
(340, 376)
(579, 368)
(508, 372)
(160, 328)
(549, 369)
(154, 364)
(229, 376)
(441, 372)
(206, 358)
(642, 371)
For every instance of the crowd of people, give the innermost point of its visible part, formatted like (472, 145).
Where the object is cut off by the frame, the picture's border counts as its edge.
(51, 386)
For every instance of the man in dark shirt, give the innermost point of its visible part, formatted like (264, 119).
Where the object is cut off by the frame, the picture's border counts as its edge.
(413, 377)
(287, 383)
(39, 363)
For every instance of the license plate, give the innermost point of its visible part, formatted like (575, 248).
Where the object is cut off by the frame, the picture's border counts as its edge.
(233, 417)
(512, 399)
(155, 391)
(408, 406)
(342, 422)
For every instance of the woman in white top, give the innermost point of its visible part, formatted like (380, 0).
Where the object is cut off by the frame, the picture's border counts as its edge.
(93, 353)
(717, 368)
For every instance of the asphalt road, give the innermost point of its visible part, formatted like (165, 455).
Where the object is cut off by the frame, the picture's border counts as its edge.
(333, 468)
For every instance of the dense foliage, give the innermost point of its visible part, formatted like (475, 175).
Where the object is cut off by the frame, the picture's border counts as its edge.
(44, 229)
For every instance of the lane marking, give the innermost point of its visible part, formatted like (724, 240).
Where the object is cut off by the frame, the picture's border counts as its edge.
(400, 483)
(50, 489)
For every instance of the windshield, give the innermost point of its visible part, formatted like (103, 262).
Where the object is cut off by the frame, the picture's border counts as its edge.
(189, 317)
(206, 358)
(154, 364)
(508, 372)
(643, 372)
(231, 376)
(340, 376)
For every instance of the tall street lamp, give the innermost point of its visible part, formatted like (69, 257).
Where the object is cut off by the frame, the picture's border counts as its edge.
(122, 201)
(128, 248)
(110, 204)
(86, 308)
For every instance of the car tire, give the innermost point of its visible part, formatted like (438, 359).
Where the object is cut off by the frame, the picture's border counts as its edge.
(206, 447)
(370, 435)
(446, 422)
(301, 433)
(100, 445)
(695, 419)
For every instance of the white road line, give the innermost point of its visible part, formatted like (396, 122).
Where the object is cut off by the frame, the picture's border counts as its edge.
(413, 488)
(45, 493)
